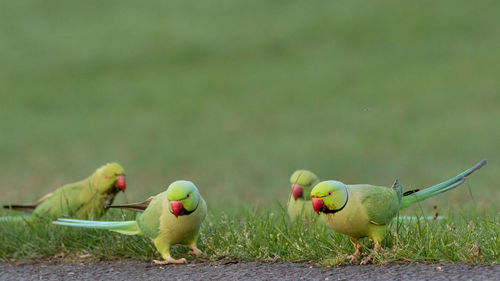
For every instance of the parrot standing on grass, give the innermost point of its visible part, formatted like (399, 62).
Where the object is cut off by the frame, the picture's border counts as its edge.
(299, 204)
(364, 210)
(171, 217)
(87, 198)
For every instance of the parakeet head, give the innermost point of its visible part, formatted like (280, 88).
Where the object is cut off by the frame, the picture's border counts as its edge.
(302, 182)
(109, 178)
(329, 196)
(183, 196)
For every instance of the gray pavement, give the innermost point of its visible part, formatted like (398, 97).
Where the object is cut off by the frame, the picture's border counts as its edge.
(138, 270)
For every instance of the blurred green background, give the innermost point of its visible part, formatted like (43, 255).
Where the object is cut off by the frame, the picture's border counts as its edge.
(236, 96)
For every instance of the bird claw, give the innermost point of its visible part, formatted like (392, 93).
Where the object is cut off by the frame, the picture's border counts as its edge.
(170, 260)
(368, 259)
(353, 259)
(195, 251)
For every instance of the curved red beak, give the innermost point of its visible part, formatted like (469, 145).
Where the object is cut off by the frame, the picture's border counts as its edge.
(120, 182)
(297, 191)
(317, 204)
(176, 207)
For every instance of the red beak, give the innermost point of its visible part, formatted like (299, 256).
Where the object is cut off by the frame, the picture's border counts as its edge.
(297, 191)
(317, 204)
(120, 182)
(176, 207)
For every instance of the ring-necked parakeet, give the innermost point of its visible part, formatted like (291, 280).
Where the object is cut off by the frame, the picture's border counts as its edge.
(364, 210)
(171, 217)
(87, 198)
(299, 204)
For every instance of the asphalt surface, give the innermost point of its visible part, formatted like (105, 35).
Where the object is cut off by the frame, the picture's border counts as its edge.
(137, 270)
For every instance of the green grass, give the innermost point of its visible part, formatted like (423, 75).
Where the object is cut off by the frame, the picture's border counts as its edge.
(268, 236)
(236, 96)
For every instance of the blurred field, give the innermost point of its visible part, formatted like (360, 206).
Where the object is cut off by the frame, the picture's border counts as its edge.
(236, 96)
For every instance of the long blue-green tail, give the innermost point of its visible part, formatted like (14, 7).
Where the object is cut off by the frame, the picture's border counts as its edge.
(12, 218)
(125, 227)
(421, 195)
(418, 218)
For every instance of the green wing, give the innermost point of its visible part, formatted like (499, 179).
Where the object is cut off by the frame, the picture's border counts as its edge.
(149, 221)
(65, 201)
(381, 204)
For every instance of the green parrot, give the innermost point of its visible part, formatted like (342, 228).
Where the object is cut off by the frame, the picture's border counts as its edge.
(87, 198)
(171, 217)
(299, 204)
(364, 210)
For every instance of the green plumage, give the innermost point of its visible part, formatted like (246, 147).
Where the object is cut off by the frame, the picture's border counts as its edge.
(301, 206)
(159, 221)
(365, 210)
(376, 196)
(149, 222)
(87, 198)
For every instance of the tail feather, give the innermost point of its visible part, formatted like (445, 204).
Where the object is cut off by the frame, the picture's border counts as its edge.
(11, 218)
(410, 192)
(25, 208)
(137, 207)
(124, 227)
(398, 188)
(416, 218)
(421, 195)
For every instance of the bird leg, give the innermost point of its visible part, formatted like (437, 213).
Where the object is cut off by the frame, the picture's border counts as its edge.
(367, 259)
(194, 251)
(354, 258)
(170, 260)
(370, 258)
(164, 249)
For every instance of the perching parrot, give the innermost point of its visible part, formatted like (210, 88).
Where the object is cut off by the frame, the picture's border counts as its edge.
(299, 204)
(364, 210)
(171, 217)
(87, 198)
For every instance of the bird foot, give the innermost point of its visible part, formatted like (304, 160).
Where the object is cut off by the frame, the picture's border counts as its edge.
(195, 251)
(170, 260)
(368, 259)
(353, 259)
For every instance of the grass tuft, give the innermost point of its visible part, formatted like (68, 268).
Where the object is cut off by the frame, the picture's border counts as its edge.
(268, 236)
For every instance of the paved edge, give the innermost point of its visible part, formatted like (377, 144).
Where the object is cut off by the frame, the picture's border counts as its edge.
(233, 270)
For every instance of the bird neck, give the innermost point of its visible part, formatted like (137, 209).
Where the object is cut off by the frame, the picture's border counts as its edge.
(333, 211)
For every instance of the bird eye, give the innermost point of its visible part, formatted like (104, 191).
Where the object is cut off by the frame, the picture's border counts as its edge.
(330, 193)
(187, 196)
